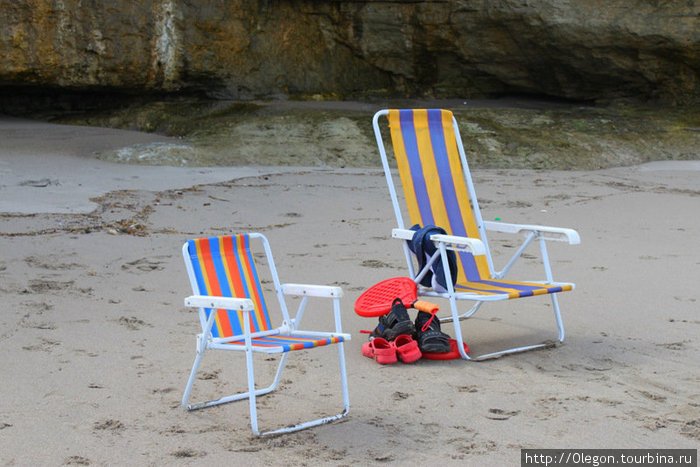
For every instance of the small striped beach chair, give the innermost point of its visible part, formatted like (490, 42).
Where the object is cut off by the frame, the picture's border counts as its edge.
(438, 190)
(235, 316)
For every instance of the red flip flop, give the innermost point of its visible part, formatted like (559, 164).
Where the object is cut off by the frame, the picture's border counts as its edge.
(381, 350)
(407, 348)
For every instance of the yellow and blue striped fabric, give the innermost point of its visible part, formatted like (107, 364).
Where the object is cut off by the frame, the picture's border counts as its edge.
(225, 267)
(434, 186)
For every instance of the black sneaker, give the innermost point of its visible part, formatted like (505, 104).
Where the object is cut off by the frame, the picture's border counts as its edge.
(394, 323)
(428, 334)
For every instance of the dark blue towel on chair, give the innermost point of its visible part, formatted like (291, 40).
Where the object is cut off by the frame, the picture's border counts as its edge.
(424, 248)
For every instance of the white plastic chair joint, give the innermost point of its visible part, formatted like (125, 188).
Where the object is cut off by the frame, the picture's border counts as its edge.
(201, 343)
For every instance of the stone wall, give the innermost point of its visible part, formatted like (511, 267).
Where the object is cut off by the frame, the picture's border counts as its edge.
(572, 49)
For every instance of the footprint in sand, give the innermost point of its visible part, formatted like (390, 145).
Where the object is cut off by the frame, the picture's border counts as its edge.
(500, 414)
(373, 263)
(144, 265)
(208, 375)
(691, 429)
(674, 345)
(41, 286)
(43, 345)
(108, 425)
(42, 183)
(50, 262)
(185, 453)
(470, 388)
(652, 396)
(40, 325)
(133, 323)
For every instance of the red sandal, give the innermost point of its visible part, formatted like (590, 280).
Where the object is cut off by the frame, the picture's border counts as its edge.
(407, 349)
(381, 350)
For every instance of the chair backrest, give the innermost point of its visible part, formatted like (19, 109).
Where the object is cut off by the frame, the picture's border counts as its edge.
(436, 180)
(224, 266)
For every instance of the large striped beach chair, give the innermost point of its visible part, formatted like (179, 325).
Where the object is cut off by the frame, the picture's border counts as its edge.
(235, 316)
(438, 190)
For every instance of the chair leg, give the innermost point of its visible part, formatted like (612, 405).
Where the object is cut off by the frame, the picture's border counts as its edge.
(323, 420)
(190, 381)
(341, 360)
(223, 400)
(251, 388)
(501, 353)
(557, 316)
(343, 383)
(459, 339)
(458, 330)
(343, 378)
(252, 393)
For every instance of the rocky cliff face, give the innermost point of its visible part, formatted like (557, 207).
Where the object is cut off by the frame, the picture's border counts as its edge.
(574, 49)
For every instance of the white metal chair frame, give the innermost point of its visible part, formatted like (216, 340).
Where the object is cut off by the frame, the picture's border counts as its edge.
(290, 326)
(477, 247)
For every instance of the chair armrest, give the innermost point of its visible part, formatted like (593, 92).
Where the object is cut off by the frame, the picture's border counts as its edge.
(226, 303)
(474, 245)
(556, 234)
(403, 234)
(312, 290)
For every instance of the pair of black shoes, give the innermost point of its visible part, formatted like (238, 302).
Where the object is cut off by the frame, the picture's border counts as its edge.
(425, 330)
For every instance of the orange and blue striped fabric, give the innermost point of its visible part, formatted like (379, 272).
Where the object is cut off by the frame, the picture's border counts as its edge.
(225, 267)
(425, 147)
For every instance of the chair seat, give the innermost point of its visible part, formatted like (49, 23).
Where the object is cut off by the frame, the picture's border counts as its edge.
(281, 343)
(513, 289)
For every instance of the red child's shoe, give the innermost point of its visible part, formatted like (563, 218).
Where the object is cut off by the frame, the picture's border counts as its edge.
(381, 350)
(407, 349)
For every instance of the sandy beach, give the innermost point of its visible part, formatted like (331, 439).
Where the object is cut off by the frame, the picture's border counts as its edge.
(97, 344)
